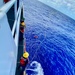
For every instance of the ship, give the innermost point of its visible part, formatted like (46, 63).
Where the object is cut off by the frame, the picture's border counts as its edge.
(11, 15)
(12, 39)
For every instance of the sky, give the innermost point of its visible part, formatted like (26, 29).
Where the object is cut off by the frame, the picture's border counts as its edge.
(65, 6)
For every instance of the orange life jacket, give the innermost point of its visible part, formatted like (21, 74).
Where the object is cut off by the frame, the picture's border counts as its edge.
(23, 61)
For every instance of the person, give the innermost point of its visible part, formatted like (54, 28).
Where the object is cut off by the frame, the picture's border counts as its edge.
(23, 62)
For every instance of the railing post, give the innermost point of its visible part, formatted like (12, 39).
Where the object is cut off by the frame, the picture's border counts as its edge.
(17, 29)
(6, 8)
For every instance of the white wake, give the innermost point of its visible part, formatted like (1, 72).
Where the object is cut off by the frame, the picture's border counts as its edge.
(35, 69)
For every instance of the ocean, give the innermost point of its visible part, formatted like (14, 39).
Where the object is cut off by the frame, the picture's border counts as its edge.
(50, 40)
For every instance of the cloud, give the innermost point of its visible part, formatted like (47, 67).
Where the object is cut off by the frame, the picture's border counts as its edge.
(67, 7)
(69, 4)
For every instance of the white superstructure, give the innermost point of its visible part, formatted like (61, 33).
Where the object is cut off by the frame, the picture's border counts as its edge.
(8, 43)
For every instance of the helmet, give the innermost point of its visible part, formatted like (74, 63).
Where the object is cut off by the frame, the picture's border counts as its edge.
(25, 54)
(23, 24)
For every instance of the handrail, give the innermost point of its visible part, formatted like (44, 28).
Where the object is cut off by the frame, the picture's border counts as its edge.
(14, 41)
(17, 29)
(14, 26)
(6, 8)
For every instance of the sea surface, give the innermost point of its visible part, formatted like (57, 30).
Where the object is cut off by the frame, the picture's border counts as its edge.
(50, 40)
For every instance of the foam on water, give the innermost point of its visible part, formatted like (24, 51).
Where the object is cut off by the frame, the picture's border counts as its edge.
(35, 69)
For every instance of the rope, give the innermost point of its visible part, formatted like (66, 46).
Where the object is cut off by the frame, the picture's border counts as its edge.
(36, 51)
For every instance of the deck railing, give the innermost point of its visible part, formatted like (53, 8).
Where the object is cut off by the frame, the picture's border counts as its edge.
(9, 47)
(4, 10)
(16, 26)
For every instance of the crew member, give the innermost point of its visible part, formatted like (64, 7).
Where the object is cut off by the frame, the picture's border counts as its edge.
(23, 62)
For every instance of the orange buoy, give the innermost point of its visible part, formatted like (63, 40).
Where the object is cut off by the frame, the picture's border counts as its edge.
(35, 36)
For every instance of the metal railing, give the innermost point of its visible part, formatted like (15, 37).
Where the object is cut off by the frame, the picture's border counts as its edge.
(4, 10)
(12, 45)
(16, 26)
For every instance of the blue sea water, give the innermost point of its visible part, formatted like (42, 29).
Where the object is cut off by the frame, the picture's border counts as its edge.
(50, 40)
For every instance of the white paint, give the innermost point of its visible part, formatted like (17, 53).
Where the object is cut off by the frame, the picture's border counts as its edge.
(1, 3)
(4, 9)
(8, 52)
(8, 48)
